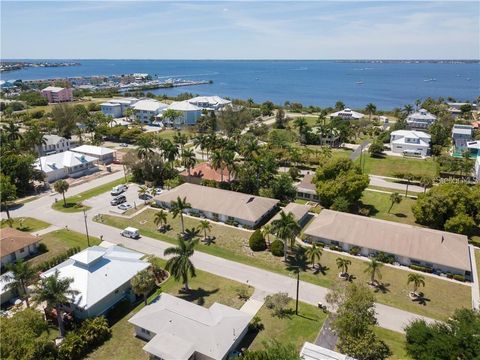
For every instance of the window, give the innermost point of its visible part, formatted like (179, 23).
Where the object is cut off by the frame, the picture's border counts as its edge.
(22, 250)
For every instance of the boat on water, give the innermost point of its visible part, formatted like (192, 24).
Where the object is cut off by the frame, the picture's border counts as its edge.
(359, 83)
(431, 79)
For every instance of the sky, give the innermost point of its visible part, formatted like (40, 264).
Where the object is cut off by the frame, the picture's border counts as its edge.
(240, 30)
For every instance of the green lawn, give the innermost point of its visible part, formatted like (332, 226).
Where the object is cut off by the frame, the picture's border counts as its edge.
(392, 165)
(477, 260)
(379, 203)
(206, 289)
(27, 224)
(395, 341)
(231, 243)
(74, 203)
(59, 241)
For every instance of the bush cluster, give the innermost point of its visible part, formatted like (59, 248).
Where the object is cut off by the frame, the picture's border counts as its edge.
(277, 248)
(48, 264)
(421, 268)
(256, 241)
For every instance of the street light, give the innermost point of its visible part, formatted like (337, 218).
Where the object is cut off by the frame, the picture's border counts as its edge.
(86, 227)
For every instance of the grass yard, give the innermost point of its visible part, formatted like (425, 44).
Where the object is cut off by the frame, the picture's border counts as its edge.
(49, 107)
(395, 341)
(26, 224)
(477, 260)
(74, 203)
(59, 241)
(170, 133)
(392, 165)
(232, 243)
(379, 203)
(206, 289)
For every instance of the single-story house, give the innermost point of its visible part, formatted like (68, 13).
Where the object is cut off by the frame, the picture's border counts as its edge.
(410, 142)
(221, 205)
(306, 189)
(101, 276)
(299, 212)
(212, 103)
(177, 329)
(53, 144)
(103, 154)
(65, 164)
(205, 171)
(461, 134)
(410, 245)
(6, 294)
(315, 352)
(16, 245)
(346, 114)
(420, 119)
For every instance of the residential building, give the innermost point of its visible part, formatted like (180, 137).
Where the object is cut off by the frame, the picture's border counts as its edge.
(410, 245)
(221, 205)
(205, 172)
(146, 110)
(474, 148)
(213, 103)
(56, 94)
(315, 352)
(347, 114)
(328, 136)
(53, 144)
(477, 170)
(420, 119)
(102, 154)
(189, 114)
(178, 329)
(454, 108)
(101, 276)
(410, 142)
(16, 245)
(116, 107)
(300, 212)
(306, 189)
(6, 294)
(65, 164)
(461, 134)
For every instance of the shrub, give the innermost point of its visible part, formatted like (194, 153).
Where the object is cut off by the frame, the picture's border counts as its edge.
(459, 277)
(277, 303)
(42, 248)
(256, 324)
(257, 242)
(354, 250)
(421, 268)
(384, 258)
(277, 248)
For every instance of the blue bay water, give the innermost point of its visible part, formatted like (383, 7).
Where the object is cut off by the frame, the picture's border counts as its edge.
(320, 83)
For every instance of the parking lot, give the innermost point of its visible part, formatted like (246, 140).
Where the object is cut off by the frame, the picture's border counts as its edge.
(101, 203)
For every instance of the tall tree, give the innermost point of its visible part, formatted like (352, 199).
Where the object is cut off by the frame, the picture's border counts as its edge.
(177, 208)
(217, 161)
(417, 280)
(314, 253)
(8, 192)
(160, 218)
(342, 265)
(12, 131)
(266, 231)
(205, 226)
(188, 160)
(180, 265)
(370, 109)
(61, 186)
(144, 147)
(286, 228)
(19, 277)
(143, 283)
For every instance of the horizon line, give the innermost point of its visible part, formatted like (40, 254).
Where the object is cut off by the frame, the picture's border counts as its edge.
(238, 59)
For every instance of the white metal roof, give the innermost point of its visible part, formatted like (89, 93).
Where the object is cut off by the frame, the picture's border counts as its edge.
(411, 134)
(347, 112)
(183, 106)
(53, 139)
(211, 100)
(149, 105)
(315, 352)
(93, 150)
(462, 129)
(474, 144)
(61, 160)
(53, 88)
(421, 114)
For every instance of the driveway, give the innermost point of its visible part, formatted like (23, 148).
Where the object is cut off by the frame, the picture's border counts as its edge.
(356, 153)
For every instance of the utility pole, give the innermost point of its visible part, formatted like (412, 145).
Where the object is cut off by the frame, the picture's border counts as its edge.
(86, 227)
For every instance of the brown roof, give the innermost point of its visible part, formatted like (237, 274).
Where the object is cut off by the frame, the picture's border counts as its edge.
(225, 202)
(13, 240)
(434, 246)
(298, 211)
(306, 184)
(205, 171)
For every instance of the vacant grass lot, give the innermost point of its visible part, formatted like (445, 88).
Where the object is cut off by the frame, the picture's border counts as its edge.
(27, 224)
(231, 243)
(395, 341)
(392, 165)
(74, 203)
(379, 203)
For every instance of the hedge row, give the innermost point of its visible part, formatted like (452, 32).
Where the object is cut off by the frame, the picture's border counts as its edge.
(48, 264)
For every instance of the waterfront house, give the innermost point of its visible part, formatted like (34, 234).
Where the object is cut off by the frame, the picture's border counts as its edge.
(116, 107)
(410, 245)
(16, 245)
(410, 142)
(211, 103)
(53, 144)
(65, 164)
(420, 119)
(205, 172)
(221, 205)
(454, 108)
(306, 189)
(56, 94)
(346, 114)
(178, 329)
(461, 134)
(103, 154)
(146, 110)
(189, 114)
(101, 276)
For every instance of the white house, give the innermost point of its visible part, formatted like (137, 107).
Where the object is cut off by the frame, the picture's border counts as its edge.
(101, 276)
(461, 134)
(181, 330)
(53, 144)
(420, 119)
(410, 142)
(454, 108)
(212, 103)
(6, 294)
(146, 110)
(102, 154)
(116, 107)
(65, 164)
(190, 114)
(347, 114)
(315, 352)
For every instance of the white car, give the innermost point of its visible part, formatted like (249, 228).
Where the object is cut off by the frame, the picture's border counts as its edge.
(117, 190)
(124, 206)
(131, 232)
(157, 190)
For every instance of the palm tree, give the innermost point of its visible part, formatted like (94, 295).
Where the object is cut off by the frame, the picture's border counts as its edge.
(170, 151)
(55, 292)
(8, 193)
(20, 275)
(417, 280)
(180, 139)
(407, 109)
(205, 226)
(373, 268)
(426, 182)
(61, 186)
(301, 124)
(145, 147)
(314, 253)
(143, 192)
(395, 198)
(199, 141)
(143, 283)
(12, 131)
(370, 109)
(192, 233)
(35, 138)
(177, 207)
(217, 162)
(286, 228)
(342, 265)
(180, 265)
(188, 160)
(160, 218)
(266, 230)
(409, 177)
(229, 163)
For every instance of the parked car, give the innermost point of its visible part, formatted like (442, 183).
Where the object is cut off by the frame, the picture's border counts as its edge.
(117, 190)
(124, 206)
(130, 232)
(145, 196)
(124, 145)
(118, 200)
(157, 190)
